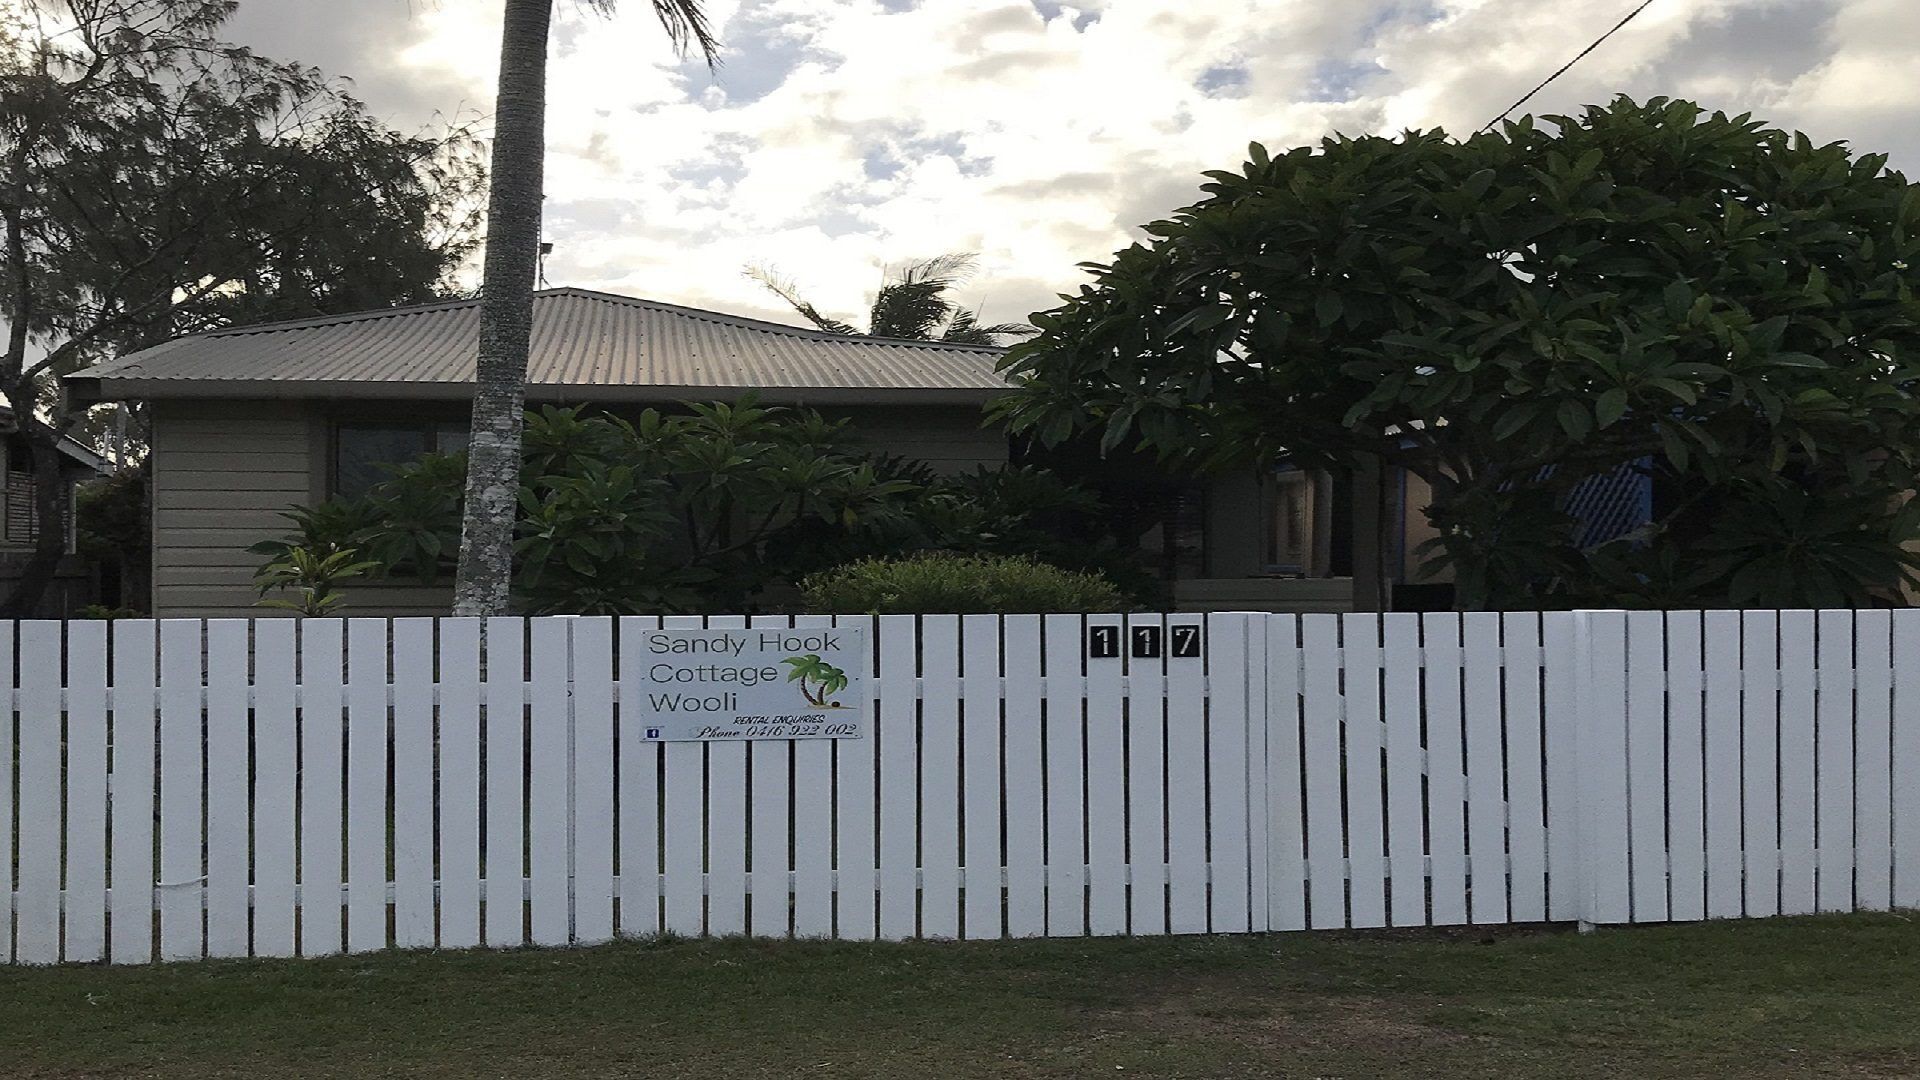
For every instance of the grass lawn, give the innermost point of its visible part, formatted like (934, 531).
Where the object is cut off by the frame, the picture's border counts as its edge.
(1790, 997)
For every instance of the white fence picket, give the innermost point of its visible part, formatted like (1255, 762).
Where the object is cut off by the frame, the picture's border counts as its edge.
(855, 785)
(132, 783)
(897, 721)
(1560, 708)
(1526, 782)
(229, 768)
(413, 789)
(182, 878)
(1363, 735)
(1406, 780)
(9, 860)
(1219, 691)
(367, 763)
(1759, 760)
(1721, 749)
(980, 781)
(1602, 676)
(1106, 825)
(1321, 708)
(1446, 770)
(1905, 750)
(940, 776)
(505, 855)
(1798, 749)
(276, 780)
(1146, 780)
(1024, 782)
(1187, 793)
(322, 733)
(590, 657)
(1286, 822)
(638, 794)
(1686, 775)
(86, 869)
(771, 764)
(1065, 832)
(549, 783)
(813, 826)
(1833, 760)
(1486, 768)
(726, 824)
(461, 810)
(1873, 756)
(1647, 763)
(37, 899)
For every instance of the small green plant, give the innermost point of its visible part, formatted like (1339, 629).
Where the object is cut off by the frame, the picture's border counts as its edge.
(102, 611)
(811, 671)
(941, 582)
(312, 576)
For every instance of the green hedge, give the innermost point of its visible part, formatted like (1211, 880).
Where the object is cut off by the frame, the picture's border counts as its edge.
(939, 582)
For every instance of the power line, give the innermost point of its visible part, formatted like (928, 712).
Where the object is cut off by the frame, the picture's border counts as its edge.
(1563, 68)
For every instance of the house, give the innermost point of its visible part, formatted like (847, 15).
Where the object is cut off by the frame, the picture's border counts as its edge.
(73, 584)
(249, 421)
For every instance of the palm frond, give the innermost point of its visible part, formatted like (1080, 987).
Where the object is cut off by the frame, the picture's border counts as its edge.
(685, 22)
(965, 329)
(784, 288)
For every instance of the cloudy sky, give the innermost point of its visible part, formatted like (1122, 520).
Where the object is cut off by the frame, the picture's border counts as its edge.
(839, 136)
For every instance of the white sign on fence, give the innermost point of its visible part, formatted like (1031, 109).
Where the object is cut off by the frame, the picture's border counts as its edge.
(772, 683)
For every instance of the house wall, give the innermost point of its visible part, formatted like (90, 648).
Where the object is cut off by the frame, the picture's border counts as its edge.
(224, 471)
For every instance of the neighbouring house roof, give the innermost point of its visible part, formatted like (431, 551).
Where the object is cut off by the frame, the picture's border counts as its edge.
(586, 346)
(71, 448)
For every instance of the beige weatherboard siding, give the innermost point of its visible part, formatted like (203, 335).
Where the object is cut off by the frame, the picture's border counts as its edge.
(243, 419)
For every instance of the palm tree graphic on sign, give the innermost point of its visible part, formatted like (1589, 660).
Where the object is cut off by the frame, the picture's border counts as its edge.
(817, 678)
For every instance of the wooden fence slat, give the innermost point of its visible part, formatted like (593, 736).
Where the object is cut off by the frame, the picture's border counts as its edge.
(813, 825)
(1024, 782)
(1486, 768)
(1406, 778)
(727, 824)
(1259, 812)
(1146, 783)
(639, 791)
(940, 776)
(460, 806)
(1873, 750)
(980, 786)
(1223, 647)
(413, 789)
(854, 785)
(1602, 686)
(182, 870)
(1560, 707)
(1798, 749)
(276, 781)
(37, 899)
(133, 784)
(1066, 832)
(771, 764)
(1286, 821)
(1721, 748)
(86, 870)
(1446, 769)
(1526, 781)
(1647, 763)
(1321, 719)
(1187, 789)
(592, 811)
(1106, 824)
(322, 733)
(506, 726)
(8, 856)
(1363, 734)
(228, 772)
(897, 722)
(549, 783)
(1833, 758)
(1759, 760)
(1905, 740)
(1686, 778)
(367, 821)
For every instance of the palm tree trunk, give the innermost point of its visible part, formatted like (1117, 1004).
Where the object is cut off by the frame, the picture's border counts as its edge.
(483, 581)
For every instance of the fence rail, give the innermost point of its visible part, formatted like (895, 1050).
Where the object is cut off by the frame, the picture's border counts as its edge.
(177, 789)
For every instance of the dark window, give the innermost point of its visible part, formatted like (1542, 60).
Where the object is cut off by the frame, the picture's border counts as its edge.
(361, 452)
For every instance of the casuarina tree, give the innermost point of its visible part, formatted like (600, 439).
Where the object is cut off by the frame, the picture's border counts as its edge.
(1724, 308)
(156, 181)
(483, 582)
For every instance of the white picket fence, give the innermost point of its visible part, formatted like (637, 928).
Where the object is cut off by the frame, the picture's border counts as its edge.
(180, 789)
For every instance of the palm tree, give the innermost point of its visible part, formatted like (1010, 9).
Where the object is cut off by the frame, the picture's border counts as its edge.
(484, 577)
(912, 304)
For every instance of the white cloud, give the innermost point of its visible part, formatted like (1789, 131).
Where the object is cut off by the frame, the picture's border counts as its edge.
(840, 135)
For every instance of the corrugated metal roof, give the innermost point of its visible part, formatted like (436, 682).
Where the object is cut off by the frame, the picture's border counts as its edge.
(584, 344)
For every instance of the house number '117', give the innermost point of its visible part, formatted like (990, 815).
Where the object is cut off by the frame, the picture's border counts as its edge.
(1181, 642)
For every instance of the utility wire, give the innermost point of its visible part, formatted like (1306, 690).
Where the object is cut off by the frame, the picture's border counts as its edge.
(1563, 68)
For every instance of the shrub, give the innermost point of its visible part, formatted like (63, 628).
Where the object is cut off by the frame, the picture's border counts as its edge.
(943, 582)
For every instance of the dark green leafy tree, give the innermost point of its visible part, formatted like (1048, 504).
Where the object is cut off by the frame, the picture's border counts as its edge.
(913, 304)
(155, 181)
(1724, 306)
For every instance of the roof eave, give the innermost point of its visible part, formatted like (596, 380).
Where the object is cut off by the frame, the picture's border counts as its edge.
(99, 389)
